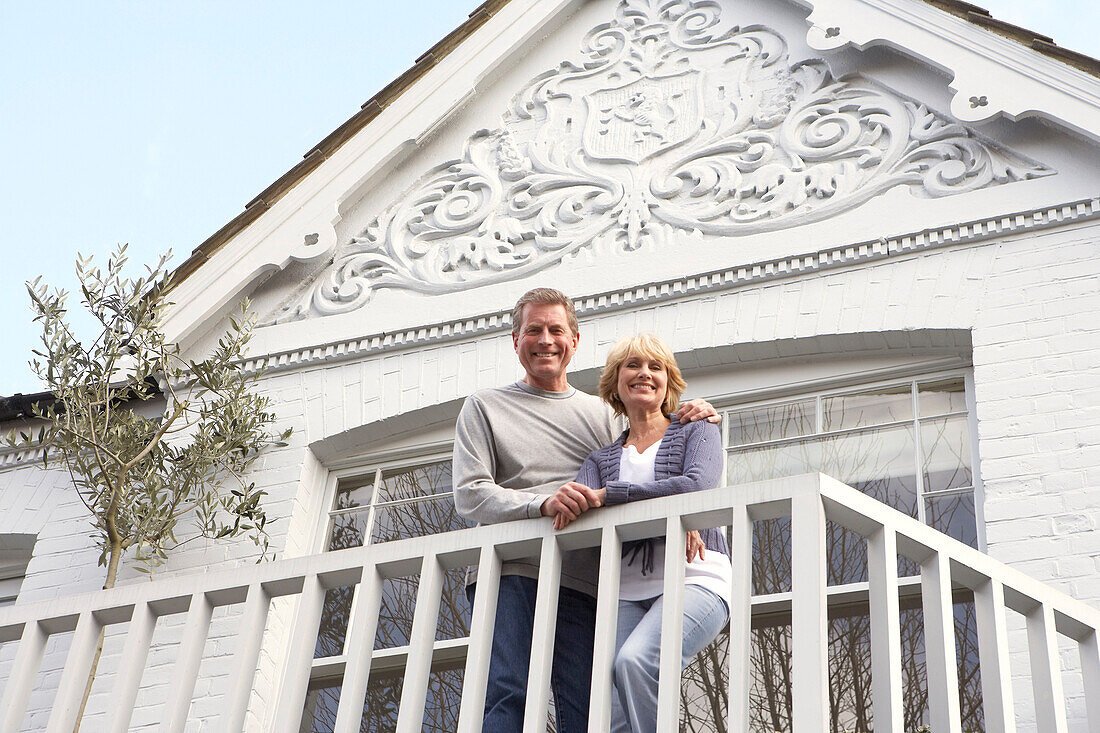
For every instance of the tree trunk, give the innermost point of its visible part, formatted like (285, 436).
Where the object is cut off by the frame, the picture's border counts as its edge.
(112, 574)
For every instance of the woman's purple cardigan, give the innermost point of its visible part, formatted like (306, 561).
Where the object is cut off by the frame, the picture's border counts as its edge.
(688, 459)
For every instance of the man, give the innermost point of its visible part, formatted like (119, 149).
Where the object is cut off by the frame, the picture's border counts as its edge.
(516, 449)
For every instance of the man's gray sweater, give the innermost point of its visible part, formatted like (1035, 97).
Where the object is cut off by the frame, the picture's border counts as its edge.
(514, 446)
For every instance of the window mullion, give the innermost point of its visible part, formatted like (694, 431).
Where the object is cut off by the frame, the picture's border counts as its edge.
(918, 451)
(368, 532)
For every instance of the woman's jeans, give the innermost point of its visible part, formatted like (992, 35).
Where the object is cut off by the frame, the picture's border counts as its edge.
(638, 653)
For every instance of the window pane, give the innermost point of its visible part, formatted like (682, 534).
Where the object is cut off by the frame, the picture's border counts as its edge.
(395, 614)
(348, 530)
(877, 462)
(409, 483)
(771, 423)
(945, 444)
(333, 628)
(953, 515)
(867, 408)
(354, 491)
(416, 519)
(937, 398)
(320, 710)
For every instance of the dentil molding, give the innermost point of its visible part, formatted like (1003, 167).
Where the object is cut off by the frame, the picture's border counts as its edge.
(671, 121)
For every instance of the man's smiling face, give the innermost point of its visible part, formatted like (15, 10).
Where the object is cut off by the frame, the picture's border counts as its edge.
(544, 344)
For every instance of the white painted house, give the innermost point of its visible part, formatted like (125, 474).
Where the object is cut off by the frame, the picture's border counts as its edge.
(870, 229)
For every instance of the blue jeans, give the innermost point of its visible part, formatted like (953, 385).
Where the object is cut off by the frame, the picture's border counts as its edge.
(638, 653)
(571, 675)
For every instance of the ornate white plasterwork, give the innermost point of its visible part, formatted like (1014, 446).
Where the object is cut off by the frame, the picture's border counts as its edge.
(672, 121)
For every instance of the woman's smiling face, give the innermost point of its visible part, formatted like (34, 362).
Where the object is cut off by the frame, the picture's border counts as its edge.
(642, 383)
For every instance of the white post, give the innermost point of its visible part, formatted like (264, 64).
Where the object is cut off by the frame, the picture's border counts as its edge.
(134, 653)
(740, 649)
(358, 649)
(414, 690)
(17, 692)
(607, 613)
(1089, 650)
(672, 627)
(1046, 670)
(482, 624)
(542, 636)
(882, 572)
(989, 608)
(249, 640)
(195, 631)
(939, 645)
(292, 692)
(74, 678)
(809, 620)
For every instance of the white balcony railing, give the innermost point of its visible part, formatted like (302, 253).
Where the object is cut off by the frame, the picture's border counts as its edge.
(808, 500)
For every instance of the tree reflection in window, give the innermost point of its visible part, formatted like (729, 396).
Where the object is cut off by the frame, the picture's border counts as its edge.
(870, 441)
(388, 506)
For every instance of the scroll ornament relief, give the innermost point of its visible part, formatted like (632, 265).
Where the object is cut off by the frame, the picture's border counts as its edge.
(669, 123)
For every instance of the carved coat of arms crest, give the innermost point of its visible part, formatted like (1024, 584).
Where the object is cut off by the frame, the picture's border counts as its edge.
(633, 122)
(674, 120)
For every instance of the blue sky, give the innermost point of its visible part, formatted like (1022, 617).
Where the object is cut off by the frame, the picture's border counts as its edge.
(154, 123)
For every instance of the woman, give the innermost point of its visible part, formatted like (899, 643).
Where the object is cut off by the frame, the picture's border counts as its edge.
(656, 456)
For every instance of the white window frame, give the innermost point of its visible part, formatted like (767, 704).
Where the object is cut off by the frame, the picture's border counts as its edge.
(805, 391)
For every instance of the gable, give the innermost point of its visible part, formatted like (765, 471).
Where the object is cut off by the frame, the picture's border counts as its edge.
(639, 141)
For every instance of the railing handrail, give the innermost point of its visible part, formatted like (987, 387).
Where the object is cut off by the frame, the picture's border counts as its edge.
(460, 547)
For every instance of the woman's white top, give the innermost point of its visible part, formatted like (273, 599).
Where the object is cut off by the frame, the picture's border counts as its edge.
(713, 573)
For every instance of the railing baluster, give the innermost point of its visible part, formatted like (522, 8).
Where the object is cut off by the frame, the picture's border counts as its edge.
(414, 690)
(1089, 650)
(740, 649)
(607, 615)
(74, 678)
(809, 623)
(24, 670)
(358, 648)
(292, 693)
(989, 608)
(542, 636)
(672, 627)
(249, 639)
(132, 666)
(482, 625)
(939, 644)
(882, 572)
(1046, 671)
(195, 631)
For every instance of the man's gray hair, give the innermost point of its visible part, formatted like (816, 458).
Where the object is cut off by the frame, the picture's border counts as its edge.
(547, 296)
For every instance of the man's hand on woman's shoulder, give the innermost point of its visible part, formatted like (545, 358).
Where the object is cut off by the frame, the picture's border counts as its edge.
(697, 409)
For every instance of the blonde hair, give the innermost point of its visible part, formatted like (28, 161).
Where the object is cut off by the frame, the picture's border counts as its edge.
(646, 346)
(544, 296)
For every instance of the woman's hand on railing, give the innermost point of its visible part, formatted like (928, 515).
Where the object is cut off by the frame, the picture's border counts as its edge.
(695, 546)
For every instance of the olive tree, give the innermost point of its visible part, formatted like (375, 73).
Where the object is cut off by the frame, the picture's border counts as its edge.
(148, 435)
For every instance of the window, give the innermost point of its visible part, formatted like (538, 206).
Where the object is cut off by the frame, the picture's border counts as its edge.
(385, 503)
(15, 554)
(909, 444)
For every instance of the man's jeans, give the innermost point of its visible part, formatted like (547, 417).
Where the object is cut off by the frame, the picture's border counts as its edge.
(638, 653)
(571, 677)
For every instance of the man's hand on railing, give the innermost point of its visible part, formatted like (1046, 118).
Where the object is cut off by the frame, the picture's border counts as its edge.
(695, 546)
(570, 501)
